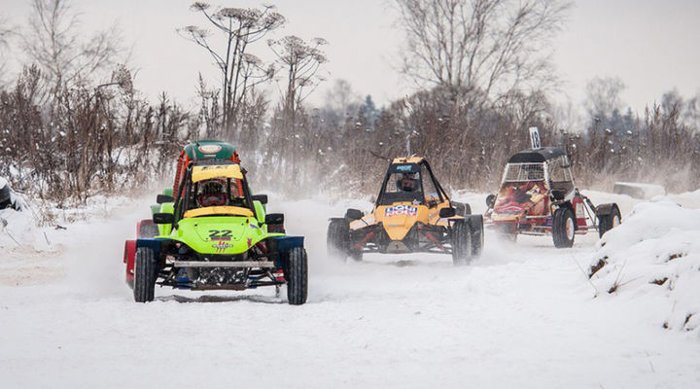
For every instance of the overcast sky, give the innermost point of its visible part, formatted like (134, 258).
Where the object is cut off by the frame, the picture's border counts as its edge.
(650, 44)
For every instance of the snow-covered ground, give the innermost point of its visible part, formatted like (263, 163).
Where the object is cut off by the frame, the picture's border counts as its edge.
(523, 315)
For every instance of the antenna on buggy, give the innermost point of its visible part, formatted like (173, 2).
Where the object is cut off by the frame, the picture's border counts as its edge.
(409, 132)
(535, 138)
(194, 155)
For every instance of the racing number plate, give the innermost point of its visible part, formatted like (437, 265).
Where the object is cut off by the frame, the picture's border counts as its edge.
(400, 210)
(219, 235)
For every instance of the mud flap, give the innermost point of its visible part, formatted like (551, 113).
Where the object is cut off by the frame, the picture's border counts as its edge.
(129, 257)
(282, 245)
(153, 244)
(605, 209)
(286, 243)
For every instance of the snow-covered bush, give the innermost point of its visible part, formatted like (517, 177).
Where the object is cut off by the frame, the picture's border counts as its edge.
(654, 253)
(18, 230)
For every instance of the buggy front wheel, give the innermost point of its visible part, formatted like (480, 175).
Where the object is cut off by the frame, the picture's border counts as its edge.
(461, 240)
(563, 228)
(297, 280)
(338, 238)
(144, 275)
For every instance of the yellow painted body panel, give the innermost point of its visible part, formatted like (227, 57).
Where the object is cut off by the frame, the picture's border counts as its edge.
(412, 159)
(202, 173)
(398, 218)
(219, 210)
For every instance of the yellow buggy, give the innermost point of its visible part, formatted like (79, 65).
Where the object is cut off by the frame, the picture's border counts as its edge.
(413, 213)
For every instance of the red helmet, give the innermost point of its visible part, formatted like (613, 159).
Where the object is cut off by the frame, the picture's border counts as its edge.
(211, 193)
(408, 183)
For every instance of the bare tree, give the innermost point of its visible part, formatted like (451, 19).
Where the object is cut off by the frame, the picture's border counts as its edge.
(301, 61)
(603, 96)
(240, 71)
(5, 33)
(691, 115)
(341, 97)
(480, 49)
(209, 109)
(61, 50)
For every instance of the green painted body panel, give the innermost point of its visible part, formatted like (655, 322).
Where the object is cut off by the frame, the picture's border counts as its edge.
(165, 229)
(193, 152)
(259, 211)
(227, 235)
(219, 234)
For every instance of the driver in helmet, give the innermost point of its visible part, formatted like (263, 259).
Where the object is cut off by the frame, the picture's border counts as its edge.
(408, 182)
(212, 193)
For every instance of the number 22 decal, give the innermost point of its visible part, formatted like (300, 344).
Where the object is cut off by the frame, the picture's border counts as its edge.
(220, 234)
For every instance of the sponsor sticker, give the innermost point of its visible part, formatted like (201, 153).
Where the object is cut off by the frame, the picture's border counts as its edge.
(209, 149)
(400, 210)
(221, 246)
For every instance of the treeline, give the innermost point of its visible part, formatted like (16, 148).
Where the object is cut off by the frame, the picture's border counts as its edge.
(346, 149)
(71, 122)
(77, 140)
(660, 146)
(73, 129)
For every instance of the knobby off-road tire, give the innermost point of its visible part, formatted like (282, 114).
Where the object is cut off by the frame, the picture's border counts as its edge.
(461, 243)
(608, 222)
(462, 209)
(356, 255)
(477, 238)
(506, 232)
(338, 238)
(148, 229)
(144, 275)
(563, 228)
(297, 280)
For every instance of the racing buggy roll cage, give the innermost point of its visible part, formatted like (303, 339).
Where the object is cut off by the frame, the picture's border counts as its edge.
(187, 189)
(561, 208)
(262, 265)
(386, 198)
(419, 217)
(562, 191)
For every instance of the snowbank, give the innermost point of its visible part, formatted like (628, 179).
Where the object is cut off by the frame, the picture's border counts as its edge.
(687, 199)
(18, 230)
(639, 190)
(655, 256)
(519, 316)
(21, 232)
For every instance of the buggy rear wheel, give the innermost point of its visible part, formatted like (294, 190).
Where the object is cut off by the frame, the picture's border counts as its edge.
(462, 209)
(144, 275)
(476, 224)
(507, 232)
(296, 275)
(461, 240)
(563, 228)
(610, 221)
(338, 238)
(356, 255)
(148, 229)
